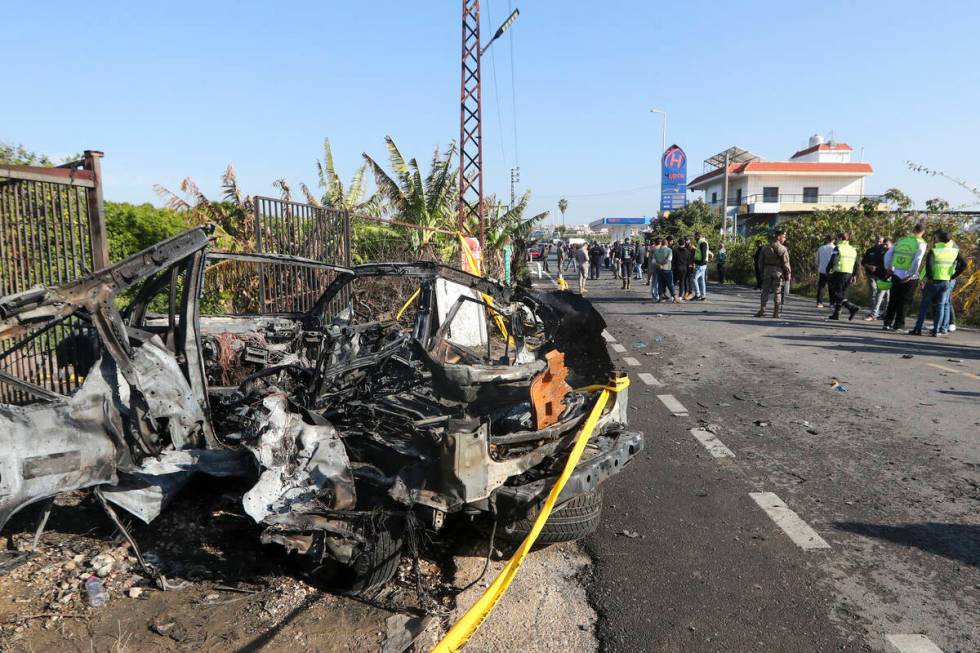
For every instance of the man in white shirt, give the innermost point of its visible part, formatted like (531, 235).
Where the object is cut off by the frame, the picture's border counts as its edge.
(824, 252)
(903, 261)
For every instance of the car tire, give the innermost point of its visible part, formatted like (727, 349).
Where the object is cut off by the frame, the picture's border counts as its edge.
(377, 564)
(571, 521)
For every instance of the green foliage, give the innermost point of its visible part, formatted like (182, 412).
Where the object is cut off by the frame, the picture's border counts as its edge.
(508, 227)
(334, 193)
(133, 227)
(696, 217)
(937, 205)
(740, 265)
(428, 202)
(18, 155)
(897, 199)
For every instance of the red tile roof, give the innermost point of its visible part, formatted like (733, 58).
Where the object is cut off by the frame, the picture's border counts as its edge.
(824, 147)
(802, 167)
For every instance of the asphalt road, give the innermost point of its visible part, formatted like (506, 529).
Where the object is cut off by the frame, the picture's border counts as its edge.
(810, 518)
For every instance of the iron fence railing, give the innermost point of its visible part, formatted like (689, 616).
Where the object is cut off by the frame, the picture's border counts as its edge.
(795, 198)
(52, 231)
(295, 229)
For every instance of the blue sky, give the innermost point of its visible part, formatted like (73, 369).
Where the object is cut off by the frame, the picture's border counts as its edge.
(178, 89)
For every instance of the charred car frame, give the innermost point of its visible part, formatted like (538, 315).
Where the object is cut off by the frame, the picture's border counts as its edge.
(348, 424)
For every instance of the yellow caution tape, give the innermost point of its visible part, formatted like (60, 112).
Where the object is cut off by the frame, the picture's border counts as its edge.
(408, 303)
(468, 624)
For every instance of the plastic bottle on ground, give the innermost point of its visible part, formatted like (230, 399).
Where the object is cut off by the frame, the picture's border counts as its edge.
(95, 591)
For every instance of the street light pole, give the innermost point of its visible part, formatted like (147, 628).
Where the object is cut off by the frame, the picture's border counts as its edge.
(663, 149)
(663, 134)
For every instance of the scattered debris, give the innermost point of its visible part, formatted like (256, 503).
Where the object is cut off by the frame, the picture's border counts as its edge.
(630, 534)
(908, 355)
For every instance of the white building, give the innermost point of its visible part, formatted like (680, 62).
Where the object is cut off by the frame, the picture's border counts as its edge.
(817, 177)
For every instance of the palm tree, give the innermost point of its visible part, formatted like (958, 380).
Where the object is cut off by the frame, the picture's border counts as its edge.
(427, 203)
(233, 216)
(234, 284)
(505, 227)
(562, 207)
(334, 193)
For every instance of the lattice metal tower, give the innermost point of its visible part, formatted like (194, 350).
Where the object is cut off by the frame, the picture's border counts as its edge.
(470, 119)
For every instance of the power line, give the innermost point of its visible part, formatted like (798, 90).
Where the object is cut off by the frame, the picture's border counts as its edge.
(513, 91)
(496, 94)
(612, 192)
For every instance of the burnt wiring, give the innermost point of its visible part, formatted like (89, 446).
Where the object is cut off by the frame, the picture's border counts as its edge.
(486, 563)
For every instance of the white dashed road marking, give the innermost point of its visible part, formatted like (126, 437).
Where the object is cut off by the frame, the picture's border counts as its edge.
(674, 406)
(649, 379)
(714, 446)
(632, 362)
(618, 347)
(797, 529)
(608, 336)
(912, 644)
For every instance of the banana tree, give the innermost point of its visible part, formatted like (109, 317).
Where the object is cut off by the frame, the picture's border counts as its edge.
(335, 195)
(427, 202)
(507, 227)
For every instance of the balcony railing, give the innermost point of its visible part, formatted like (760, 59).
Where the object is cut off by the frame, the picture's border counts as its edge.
(796, 198)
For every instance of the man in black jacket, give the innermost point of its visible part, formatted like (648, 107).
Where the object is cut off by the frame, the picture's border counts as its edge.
(627, 255)
(595, 256)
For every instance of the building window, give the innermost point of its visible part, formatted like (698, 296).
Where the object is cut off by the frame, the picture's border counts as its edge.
(770, 194)
(714, 198)
(738, 197)
(810, 194)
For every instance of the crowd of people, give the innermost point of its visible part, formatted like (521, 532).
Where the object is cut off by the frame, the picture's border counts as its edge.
(676, 271)
(893, 270)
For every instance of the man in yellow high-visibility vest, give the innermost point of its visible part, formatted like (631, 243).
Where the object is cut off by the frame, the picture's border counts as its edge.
(944, 263)
(903, 260)
(841, 269)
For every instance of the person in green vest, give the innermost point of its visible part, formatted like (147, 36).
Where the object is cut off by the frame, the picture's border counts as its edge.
(943, 264)
(702, 254)
(903, 260)
(841, 269)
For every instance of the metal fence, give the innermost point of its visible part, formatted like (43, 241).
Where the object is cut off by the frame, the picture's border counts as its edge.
(52, 230)
(294, 229)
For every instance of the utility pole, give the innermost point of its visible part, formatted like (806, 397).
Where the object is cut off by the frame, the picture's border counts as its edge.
(515, 178)
(470, 127)
(471, 116)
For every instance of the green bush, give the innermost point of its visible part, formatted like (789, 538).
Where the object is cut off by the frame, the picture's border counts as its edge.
(132, 227)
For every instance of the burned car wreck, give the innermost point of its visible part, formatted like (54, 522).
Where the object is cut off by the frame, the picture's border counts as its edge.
(347, 424)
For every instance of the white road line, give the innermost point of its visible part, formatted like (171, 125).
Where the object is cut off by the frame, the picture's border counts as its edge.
(714, 446)
(618, 347)
(608, 336)
(797, 529)
(673, 405)
(649, 379)
(912, 644)
(632, 362)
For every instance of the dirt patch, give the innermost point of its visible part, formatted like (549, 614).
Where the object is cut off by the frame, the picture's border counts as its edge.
(235, 595)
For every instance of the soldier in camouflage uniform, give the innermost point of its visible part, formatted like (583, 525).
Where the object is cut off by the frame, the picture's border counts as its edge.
(774, 261)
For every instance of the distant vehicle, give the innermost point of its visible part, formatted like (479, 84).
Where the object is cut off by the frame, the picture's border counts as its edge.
(577, 241)
(537, 252)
